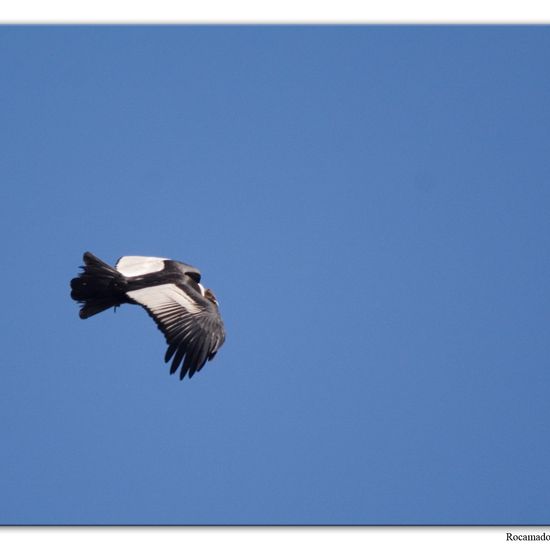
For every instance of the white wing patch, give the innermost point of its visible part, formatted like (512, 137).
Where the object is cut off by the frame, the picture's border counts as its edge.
(159, 298)
(133, 266)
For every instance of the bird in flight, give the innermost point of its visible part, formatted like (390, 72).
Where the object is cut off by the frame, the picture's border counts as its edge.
(171, 293)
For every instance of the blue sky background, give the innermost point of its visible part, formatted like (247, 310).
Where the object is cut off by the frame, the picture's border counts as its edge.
(371, 207)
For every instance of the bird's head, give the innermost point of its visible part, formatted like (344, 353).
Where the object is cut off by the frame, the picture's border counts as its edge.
(208, 294)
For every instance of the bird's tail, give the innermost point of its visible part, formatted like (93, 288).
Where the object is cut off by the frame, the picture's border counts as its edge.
(98, 287)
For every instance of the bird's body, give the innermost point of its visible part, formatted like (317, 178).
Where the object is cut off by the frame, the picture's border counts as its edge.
(170, 291)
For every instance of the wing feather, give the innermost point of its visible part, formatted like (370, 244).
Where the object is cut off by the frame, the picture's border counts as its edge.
(190, 323)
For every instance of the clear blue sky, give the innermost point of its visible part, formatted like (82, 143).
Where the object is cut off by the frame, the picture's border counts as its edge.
(371, 205)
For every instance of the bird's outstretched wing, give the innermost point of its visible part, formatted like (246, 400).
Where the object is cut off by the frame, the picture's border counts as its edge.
(190, 323)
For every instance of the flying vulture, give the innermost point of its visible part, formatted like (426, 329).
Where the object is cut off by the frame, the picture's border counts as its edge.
(170, 291)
